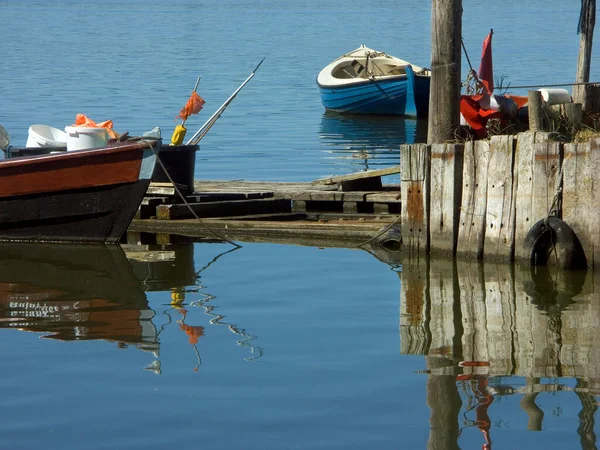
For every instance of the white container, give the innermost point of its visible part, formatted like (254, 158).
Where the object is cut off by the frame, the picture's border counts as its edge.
(46, 136)
(80, 138)
(555, 96)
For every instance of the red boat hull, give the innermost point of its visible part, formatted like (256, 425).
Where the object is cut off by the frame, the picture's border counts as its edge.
(80, 196)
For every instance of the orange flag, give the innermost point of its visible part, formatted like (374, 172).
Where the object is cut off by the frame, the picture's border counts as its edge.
(193, 106)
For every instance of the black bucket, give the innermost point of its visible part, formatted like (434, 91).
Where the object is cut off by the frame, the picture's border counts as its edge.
(180, 163)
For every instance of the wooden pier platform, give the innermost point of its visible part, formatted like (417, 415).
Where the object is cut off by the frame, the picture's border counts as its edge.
(340, 210)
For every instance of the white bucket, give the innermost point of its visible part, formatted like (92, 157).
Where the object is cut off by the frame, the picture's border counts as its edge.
(555, 96)
(80, 138)
(46, 136)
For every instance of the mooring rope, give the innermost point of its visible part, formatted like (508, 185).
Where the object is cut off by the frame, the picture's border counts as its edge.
(186, 202)
(582, 83)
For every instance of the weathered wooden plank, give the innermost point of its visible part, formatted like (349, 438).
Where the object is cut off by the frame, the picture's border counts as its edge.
(377, 173)
(223, 209)
(472, 222)
(446, 192)
(537, 172)
(364, 184)
(415, 185)
(581, 198)
(500, 213)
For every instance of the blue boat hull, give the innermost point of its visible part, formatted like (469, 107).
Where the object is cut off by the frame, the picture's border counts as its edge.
(403, 95)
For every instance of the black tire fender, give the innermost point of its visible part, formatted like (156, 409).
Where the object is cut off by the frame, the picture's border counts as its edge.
(550, 238)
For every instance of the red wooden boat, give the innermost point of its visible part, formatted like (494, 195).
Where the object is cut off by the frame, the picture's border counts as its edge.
(75, 196)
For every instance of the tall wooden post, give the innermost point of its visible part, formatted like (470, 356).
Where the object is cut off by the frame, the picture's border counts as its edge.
(587, 22)
(444, 97)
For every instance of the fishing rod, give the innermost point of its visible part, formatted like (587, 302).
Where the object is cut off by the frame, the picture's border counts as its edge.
(211, 121)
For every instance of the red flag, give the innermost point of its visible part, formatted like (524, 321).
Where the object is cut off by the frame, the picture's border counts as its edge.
(486, 68)
(193, 106)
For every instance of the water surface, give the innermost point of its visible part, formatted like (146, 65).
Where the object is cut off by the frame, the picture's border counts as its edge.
(276, 346)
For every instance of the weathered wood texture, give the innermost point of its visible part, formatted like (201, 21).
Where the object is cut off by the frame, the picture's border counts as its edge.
(414, 188)
(592, 102)
(223, 209)
(535, 109)
(444, 97)
(581, 197)
(472, 222)
(500, 213)
(378, 173)
(446, 191)
(537, 174)
(571, 115)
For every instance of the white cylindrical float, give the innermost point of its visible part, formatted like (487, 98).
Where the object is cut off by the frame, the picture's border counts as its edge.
(555, 96)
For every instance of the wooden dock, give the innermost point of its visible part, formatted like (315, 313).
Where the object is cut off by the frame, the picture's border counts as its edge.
(333, 211)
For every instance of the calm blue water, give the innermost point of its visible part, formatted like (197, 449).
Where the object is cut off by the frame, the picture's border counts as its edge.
(274, 346)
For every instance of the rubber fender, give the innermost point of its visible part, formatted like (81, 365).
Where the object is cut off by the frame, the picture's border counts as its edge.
(552, 240)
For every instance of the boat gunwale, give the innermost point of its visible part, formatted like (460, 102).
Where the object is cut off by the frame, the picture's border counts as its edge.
(77, 154)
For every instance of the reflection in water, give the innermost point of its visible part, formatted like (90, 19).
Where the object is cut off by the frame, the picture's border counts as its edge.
(74, 293)
(96, 292)
(219, 319)
(369, 142)
(489, 331)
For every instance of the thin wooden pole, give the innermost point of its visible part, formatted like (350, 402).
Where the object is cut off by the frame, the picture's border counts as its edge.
(587, 22)
(444, 97)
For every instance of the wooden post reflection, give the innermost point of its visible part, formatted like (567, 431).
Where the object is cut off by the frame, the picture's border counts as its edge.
(478, 321)
(444, 404)
(535, 414)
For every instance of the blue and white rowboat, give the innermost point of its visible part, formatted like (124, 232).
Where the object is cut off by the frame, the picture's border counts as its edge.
(366, 81)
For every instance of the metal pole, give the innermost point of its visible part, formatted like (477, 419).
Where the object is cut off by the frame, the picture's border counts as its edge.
(211, 121)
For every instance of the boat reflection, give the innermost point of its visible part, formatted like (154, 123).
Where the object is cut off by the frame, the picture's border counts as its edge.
(96, 292)
(74, 292)
(489, 331)
(368, 142)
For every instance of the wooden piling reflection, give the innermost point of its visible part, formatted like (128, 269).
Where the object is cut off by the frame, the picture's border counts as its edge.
(481, 321)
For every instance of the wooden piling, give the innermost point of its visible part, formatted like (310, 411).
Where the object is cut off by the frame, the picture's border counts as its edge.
(572, 115)
(537, 173)
(500, 213)
(580, 198)
(415, 188)
(444, 96)
(472, 221)
(535, 109)
(446, 192)
(587, 22)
